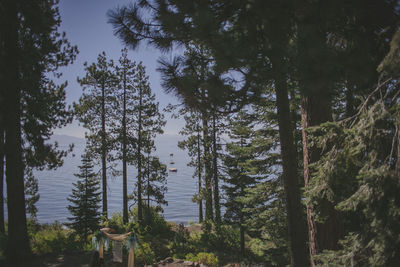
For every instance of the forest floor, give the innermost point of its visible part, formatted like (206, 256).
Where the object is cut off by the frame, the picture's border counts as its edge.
(70, 259)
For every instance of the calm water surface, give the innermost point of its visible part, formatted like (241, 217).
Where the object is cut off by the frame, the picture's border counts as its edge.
(55, 185)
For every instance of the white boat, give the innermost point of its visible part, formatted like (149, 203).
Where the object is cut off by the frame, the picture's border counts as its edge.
(173, 169)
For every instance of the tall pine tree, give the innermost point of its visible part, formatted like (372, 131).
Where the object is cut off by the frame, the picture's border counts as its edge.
(94, 111)
(32, 104)
(147, 122)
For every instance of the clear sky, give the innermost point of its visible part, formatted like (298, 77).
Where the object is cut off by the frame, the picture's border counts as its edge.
(85, 23)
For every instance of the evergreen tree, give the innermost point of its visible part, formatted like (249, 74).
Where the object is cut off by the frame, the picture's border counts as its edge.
(94, 110)
(155, 185)
(125, 101)
(147, 121)
(85, 200)
(192, 132)
(32, 104)
(238, 179)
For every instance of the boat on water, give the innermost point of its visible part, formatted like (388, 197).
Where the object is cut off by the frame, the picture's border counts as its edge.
(171, 162)
(173, 169)
(171, 154)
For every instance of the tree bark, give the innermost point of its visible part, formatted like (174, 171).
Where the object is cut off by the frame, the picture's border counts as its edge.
(200, 169)
(2, 229)
(18, 241)
(104, 151)
(139, 157)
(207, 168)
(215, 172)
(315, 86)
(124, 159)
(296, 223)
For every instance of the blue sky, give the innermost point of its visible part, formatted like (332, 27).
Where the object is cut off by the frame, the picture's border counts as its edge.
(85, 23)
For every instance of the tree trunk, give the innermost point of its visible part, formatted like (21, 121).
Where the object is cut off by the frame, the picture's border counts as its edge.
(18, 241)
(2, 229)
(200, 169)
(124, 159)
(241, 227)
(296, 224)
(207, 168)
(139, 157)
(215, 173)
(315, 86)
(242, 243)
(104, 150)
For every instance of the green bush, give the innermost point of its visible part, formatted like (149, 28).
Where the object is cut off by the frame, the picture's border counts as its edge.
(208, 259)
(53, 238)
(144, 255)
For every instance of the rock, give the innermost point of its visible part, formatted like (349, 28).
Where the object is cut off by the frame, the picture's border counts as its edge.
(196, 264)
(188, 263)
(176, 261)
(202, 265)
(169, 260)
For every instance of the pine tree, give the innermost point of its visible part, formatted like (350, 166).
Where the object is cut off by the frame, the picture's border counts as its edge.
(147, 121)
(192, 132)
(155, 184)
(94, 111)
(85, 200)
(237, 178)
(32, 104)
(123, 112)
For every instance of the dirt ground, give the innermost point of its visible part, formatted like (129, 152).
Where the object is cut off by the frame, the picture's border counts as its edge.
(72, 259)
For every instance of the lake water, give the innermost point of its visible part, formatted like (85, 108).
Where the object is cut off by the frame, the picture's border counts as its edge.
(55, 185)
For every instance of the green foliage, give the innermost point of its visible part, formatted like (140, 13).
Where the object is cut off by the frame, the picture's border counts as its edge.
(32, 196)
(145, 255)
(153, 239)
(54, 238)
(359, 175)
(208, 259)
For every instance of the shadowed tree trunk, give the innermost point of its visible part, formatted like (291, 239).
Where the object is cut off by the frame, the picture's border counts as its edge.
(18, 242)
(207, 168)
(215, 171)
(104, 150)
(2, 229)
(296, 223)
(200, 169)
(124, 154)
(315, 85)
(139, 157)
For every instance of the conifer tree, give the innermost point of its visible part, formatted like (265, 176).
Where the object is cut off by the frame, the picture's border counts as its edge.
(155, 184)
(237, 178)
(32, 104)
(123, 113)
(85, 200)
(147, 122)
(94, 110)
(192, 132)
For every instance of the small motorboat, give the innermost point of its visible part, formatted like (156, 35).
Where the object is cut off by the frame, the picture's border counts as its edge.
(173, 169)
(171, 162)
(171, 154)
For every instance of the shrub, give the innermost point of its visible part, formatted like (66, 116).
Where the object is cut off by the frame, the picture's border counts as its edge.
(54, 238)
(144, 254)
(208, 259)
